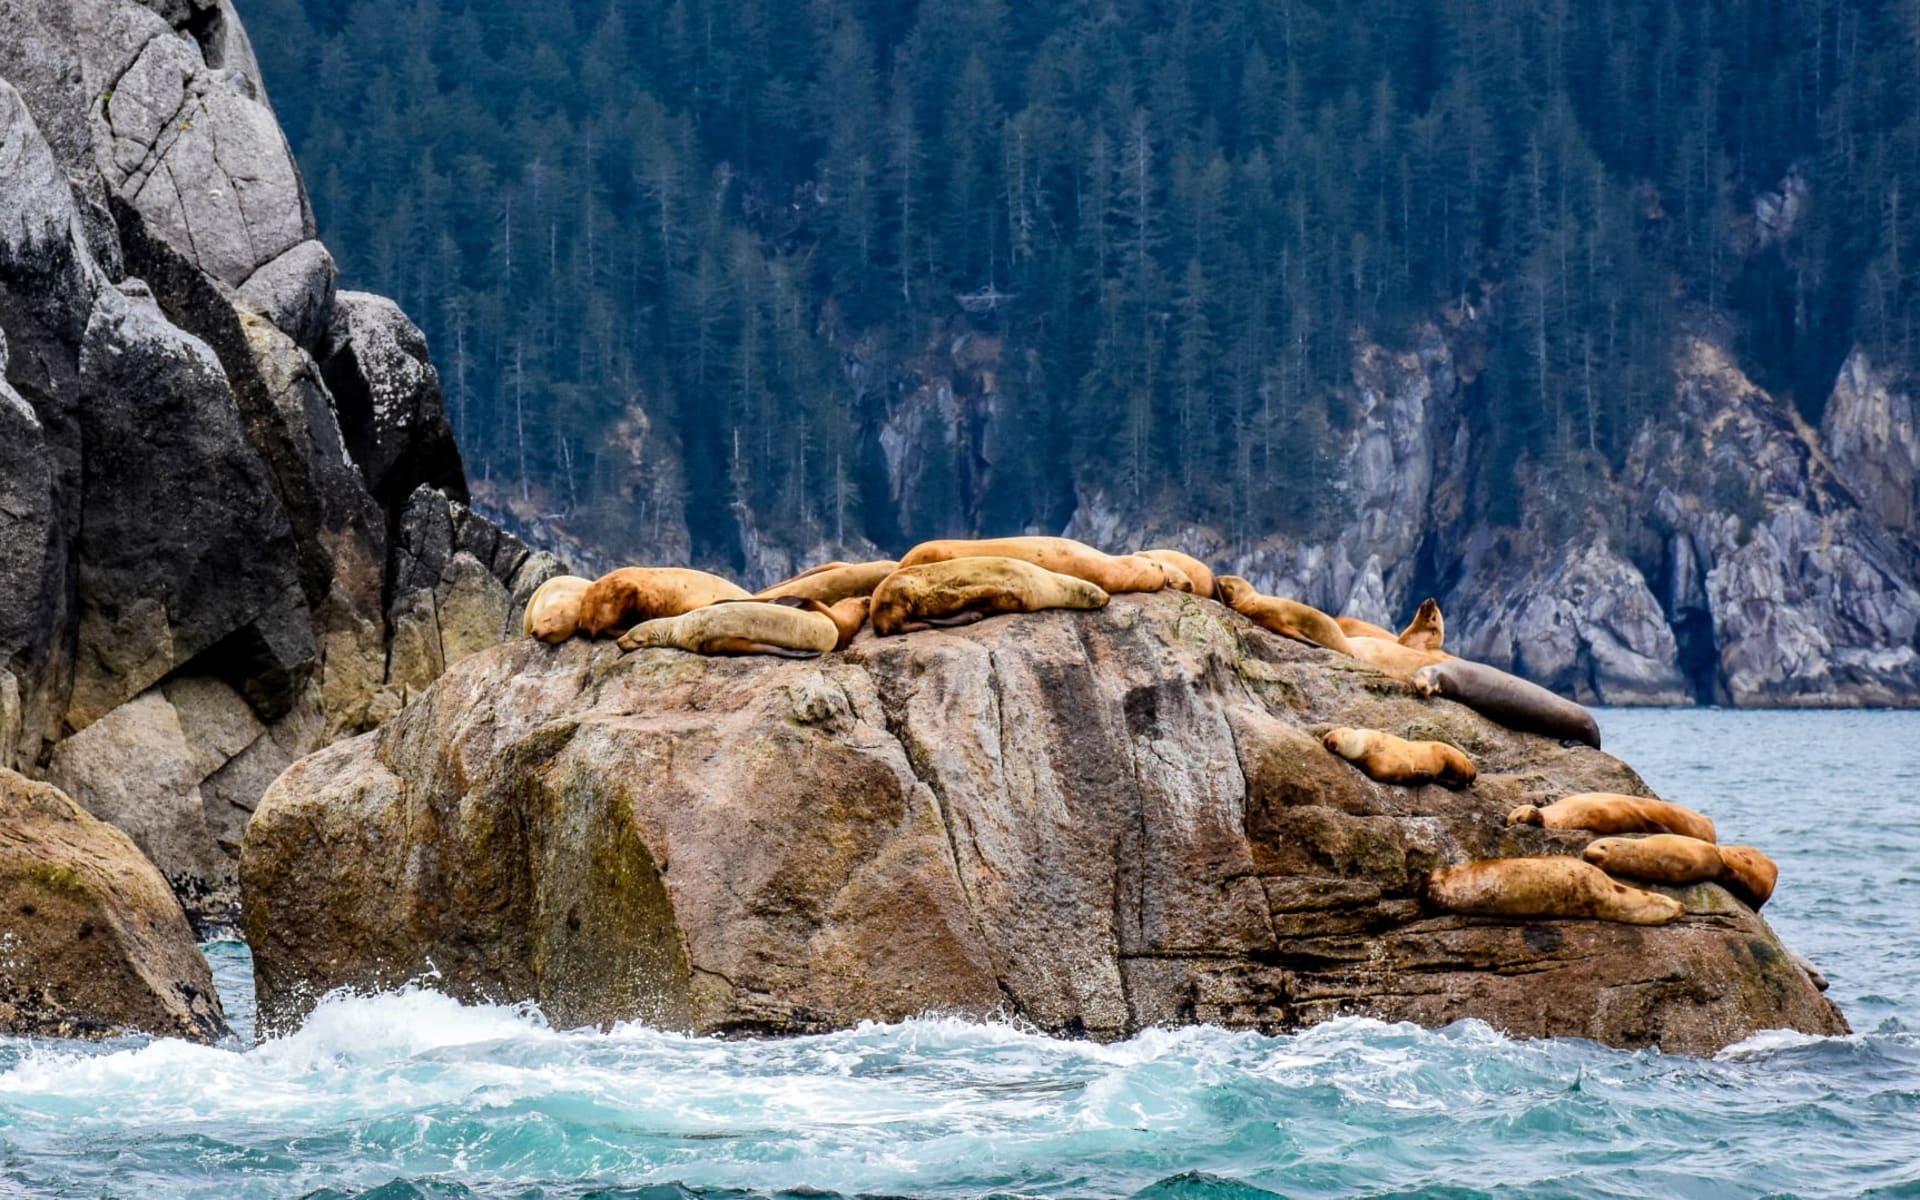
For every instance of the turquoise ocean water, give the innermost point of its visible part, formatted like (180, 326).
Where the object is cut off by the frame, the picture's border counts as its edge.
(410, 1095)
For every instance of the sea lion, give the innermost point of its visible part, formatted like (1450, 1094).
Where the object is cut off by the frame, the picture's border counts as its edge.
(1663, 858)
(553, 611)
(1289, 618)
(1609, 812)
(1064, 556)
(1391, 759)
(1354, 627)
(801, 629)
(621, 599)
(830, 583)
(1427, 630)
(848, 616)
(1198, 573)
(958, 591)
(1748, 874)
(1391, 658)
(1508, 699)
(1546, 887)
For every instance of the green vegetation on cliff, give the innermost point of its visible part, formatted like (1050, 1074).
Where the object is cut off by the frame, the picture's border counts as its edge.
(749, 220)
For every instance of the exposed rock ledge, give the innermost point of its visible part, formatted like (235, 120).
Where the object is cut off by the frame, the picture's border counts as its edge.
(1098, 822)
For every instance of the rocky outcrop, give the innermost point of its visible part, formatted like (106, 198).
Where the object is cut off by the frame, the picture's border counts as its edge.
(94, 944)
(1872, 434)
(207, 456)
(1097, 822)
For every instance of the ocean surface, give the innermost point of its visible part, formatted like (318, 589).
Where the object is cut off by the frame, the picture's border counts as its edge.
(410, 1095)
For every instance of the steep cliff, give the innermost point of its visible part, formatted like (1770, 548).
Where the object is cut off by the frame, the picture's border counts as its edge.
(1094, 821)
(223, 483)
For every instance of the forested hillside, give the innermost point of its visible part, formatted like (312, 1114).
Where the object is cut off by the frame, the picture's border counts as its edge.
(728, 234)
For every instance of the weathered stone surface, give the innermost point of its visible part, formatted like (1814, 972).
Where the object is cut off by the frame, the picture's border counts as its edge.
(191, 146)
(1808, 598)
(1583, 622)
(1097, 821)
(94, 945)
(295, 291)
(1872, 433)
(187, 547)
(388, 396)
(135, 768)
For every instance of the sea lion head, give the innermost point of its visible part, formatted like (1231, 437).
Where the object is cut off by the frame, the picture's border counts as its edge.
(1526, 814)
(1426, 680)
(553, 611)
(1347, 742)
(1748, 874)
(1233, 590)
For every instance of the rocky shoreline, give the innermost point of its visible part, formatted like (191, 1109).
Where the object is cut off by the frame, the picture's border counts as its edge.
(1095, 822)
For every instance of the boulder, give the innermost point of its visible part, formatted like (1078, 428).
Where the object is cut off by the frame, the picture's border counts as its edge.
(295, 292)
(1097, 822)
(94, 944)
(388, 397)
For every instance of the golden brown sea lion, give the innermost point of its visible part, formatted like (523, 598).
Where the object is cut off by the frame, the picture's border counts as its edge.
(830, 583)
(961, 590)
(801, 629)
(620, 599)
(1391, 658)
(1391, 759)
(1662, 858)
(553, 611)
(1609, 812)
(1508, 699)
(1289, 618)
(1427, 630)
(1199, 574)
(1748, 874)
(848, 616)
(1546, 887)
(1064, 556)
(1354, 627)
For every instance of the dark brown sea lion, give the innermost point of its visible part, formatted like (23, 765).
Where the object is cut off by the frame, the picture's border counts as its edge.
(1508, 699)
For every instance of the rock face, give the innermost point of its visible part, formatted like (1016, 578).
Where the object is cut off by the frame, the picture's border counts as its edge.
(213, 468)
(1096, 821)
(94, 944)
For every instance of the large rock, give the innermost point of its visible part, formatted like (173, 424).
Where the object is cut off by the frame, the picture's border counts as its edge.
(94, 944)
(194, 569)
(376, 365)
(1098, 822)
(1582, 621)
